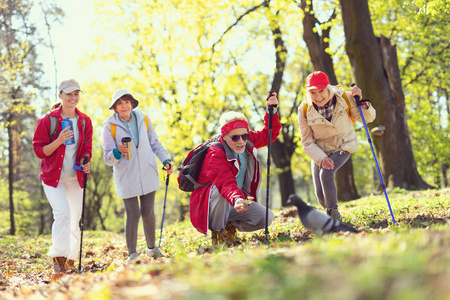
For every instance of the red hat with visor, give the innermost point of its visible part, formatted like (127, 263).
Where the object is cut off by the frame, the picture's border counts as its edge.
(317, 80)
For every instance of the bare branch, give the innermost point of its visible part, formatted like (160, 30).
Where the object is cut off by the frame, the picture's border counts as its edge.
(265, 3)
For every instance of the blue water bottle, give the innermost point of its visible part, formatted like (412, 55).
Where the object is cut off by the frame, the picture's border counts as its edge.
(68, 123)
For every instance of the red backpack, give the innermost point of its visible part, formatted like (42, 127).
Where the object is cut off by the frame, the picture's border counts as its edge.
(192, 165)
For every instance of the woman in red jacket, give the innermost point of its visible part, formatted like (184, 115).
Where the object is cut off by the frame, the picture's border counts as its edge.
(234, 174)
(62, 172)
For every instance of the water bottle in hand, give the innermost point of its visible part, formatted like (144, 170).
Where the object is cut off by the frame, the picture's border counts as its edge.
(68, 123)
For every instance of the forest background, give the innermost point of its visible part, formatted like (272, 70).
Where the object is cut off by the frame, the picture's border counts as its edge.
(189, 61)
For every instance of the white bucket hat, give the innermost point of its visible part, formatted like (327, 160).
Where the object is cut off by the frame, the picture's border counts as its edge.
(119, 94)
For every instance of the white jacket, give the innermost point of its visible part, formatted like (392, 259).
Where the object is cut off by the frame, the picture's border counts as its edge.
(139, 175)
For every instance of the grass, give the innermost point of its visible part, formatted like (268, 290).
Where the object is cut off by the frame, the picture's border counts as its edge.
(406, 260)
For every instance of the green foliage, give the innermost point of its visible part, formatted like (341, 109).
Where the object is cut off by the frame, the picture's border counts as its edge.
(419, 30)
(426, 128)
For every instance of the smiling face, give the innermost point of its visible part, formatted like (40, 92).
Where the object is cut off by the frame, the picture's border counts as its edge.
(239, 146)
(319, 97)
(70, 100)
(123, 107)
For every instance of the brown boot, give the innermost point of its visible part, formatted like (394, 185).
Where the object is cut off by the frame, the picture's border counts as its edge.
(218, 237)
(231, 235)
(70, 266)
(214, 238)
(58, 264)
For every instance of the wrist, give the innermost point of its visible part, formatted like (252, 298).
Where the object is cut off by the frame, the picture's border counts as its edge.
(365, 103)
(274, 111)
(117, 154)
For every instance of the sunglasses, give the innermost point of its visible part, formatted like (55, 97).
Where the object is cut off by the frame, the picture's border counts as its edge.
(235, 138)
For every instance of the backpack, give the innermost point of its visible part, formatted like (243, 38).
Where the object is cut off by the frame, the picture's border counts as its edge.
(54, 121)
(192, 165)
(113, 128)
(344, 95)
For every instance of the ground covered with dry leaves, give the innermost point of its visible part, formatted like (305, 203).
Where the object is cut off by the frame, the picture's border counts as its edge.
(406, 260)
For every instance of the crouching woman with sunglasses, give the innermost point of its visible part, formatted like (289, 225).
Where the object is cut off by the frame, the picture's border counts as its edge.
(231, 174)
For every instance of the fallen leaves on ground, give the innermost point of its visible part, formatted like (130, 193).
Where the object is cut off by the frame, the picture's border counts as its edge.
(26, 272)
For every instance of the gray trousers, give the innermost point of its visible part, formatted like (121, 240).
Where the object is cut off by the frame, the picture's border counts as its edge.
(221, 212)
(133, 215)
(325, 188)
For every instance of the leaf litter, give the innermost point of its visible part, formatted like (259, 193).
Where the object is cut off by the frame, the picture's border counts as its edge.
(26, 271)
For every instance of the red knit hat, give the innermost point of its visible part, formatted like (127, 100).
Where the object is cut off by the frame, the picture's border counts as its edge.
(317, 80)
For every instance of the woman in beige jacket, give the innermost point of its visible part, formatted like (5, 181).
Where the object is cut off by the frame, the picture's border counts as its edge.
(326, 124)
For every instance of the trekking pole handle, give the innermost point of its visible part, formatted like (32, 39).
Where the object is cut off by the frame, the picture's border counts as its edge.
(358, 101)
(167, 175)
(271, 107)
(86, 159)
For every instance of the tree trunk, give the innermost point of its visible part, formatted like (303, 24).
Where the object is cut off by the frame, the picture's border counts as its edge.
(281, 155)
(345, 183)
(322, 61)
(282, 152)
(12, 230)
(444, 169)
(375, 67)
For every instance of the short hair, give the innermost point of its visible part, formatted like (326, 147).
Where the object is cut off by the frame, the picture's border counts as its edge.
(231, 116)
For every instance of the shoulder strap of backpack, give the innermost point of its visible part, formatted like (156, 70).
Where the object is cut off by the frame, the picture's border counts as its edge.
(146, 123)
(305, 107)
(113, 131)
(113, 128)
(53, 122)
(344, 95)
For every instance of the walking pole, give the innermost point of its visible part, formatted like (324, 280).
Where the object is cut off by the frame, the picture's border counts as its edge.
(164, 208)
(271, 107)
(358, 102)
(85, 161)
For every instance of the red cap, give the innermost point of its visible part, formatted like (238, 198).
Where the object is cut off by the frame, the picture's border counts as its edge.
(317, 80)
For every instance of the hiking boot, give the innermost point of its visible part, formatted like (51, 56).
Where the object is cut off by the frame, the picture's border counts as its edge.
(218, 237)
(58, 264)
(214, 238)
(154, 252)
(225, 236)
(132, 257)
(70, 266)
(230, 238)
(334, 213)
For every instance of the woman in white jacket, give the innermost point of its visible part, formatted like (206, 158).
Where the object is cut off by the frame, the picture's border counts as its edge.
(138, 176)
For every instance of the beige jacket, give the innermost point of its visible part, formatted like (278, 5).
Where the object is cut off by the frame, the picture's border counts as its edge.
(321, 138)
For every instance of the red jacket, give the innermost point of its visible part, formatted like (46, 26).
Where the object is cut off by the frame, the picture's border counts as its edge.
(51, 165)
(220, 169)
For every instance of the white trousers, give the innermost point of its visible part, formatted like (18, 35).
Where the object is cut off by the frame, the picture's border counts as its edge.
(66, 201)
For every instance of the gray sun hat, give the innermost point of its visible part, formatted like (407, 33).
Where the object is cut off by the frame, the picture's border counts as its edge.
(119, 94)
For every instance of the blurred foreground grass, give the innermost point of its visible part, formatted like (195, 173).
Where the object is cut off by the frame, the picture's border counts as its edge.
(406, 260)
